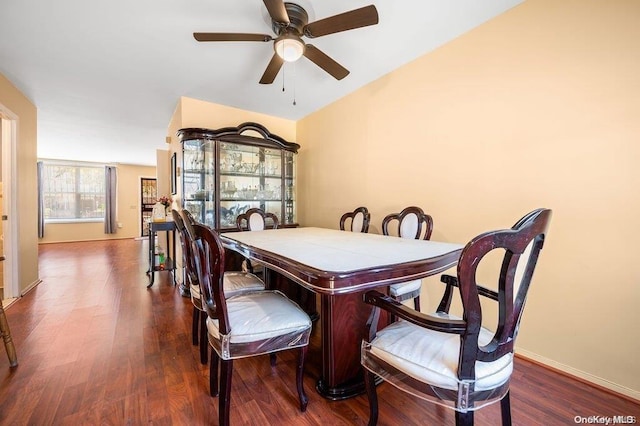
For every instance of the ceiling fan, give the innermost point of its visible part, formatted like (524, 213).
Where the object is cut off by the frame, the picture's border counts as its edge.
(289, 22)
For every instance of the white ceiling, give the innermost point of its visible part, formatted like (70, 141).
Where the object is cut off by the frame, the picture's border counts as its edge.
(106, 76)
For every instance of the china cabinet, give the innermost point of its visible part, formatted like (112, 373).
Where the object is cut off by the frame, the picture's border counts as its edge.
(227, 171)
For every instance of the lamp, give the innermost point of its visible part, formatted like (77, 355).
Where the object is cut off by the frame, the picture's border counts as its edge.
(289, 47)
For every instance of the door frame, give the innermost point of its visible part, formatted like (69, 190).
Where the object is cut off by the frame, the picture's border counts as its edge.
(140, 196)
(8, 140)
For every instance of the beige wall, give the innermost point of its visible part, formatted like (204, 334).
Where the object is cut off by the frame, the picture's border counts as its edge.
(128, 211)
(12, 100)
(536, 108)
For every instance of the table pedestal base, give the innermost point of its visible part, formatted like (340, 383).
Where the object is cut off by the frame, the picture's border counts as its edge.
(353, 387)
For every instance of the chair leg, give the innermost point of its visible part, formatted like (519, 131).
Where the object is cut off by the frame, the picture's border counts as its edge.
(224, 403)
(204, 341)
(464, 419)
(194, 325)
(370, 383)
(505, 408)
(213, 373)
(6, 336)
(299, 379)
(272, 359)
(416, 303)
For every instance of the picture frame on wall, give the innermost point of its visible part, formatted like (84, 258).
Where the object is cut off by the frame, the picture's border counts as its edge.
(173, 177)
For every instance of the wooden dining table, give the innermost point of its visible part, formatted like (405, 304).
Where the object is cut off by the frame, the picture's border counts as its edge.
(340, 266)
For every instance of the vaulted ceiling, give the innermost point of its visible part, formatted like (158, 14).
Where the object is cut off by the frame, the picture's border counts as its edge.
(106, 76)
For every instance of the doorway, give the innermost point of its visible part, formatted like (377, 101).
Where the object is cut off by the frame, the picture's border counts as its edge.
(148, 197)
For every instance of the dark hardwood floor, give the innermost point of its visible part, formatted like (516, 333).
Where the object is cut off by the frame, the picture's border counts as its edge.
(96, 347)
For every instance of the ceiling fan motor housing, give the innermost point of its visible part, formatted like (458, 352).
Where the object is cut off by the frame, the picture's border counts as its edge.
(298, 18)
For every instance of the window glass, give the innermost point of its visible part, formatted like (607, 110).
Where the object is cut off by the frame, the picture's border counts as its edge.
(73, 192)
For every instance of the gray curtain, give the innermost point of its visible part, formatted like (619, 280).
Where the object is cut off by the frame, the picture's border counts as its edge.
(40, 202)
(110, 224)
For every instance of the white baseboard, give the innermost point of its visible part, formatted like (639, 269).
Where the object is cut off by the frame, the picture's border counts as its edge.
(587, 377)
(30, 287)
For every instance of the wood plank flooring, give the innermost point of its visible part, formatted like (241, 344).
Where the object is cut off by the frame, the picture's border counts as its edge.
(97, 348)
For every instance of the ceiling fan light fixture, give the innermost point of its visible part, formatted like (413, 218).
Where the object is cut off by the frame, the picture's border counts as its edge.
(289, 47)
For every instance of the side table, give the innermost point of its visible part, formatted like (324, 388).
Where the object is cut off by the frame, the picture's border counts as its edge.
(169, 227)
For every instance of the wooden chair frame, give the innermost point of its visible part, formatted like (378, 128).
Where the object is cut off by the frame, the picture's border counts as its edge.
(210, 261)
(198, 327)
(530, 231)
(424, 230)
(243, 221)
(366, 218)
(424, 220)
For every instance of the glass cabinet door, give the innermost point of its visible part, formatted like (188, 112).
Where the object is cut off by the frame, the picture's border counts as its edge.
(199, 180)
(250, 177)
(289, 189)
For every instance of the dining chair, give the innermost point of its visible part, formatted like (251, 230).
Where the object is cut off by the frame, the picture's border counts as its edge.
(5, 333)
(412, 223)
(457, 362)
(249, 324)
(357, 220)
(234, 283)
(255, 219)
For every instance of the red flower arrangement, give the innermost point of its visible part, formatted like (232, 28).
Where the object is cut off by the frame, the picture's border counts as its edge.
(165, 201)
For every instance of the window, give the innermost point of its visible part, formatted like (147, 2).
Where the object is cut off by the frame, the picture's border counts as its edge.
(73, 192)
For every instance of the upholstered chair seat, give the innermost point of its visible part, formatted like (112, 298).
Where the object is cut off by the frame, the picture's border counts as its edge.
(268, 317)
(407, 288)
(432, 357)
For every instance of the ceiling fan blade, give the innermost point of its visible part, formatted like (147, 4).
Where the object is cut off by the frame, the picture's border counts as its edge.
(319, 58)
(231, 37)
(356, 18)
(277, 11)
(272, 69)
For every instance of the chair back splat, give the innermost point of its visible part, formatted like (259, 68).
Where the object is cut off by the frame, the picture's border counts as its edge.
(456, 361)
(256, 220)
(187, 259)
(412, 222)
(359, 220)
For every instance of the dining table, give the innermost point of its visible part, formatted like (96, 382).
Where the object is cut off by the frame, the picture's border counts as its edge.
(339, 267)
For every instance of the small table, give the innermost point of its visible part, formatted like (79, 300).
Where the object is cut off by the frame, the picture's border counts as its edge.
(341, 266)
(169, 265)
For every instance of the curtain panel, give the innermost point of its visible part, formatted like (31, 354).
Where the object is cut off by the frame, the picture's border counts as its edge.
(111, 182)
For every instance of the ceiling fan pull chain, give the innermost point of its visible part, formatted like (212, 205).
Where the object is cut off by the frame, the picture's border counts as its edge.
(294, 84)
(284, 67)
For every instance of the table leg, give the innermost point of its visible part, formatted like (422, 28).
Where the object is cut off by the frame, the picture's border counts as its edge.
(152, 257)
(343, 320)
